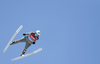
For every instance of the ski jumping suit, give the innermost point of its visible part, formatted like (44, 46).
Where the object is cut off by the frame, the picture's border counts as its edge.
(29, 39)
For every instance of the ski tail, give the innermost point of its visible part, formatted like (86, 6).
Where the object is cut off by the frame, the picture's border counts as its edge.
(12, 38)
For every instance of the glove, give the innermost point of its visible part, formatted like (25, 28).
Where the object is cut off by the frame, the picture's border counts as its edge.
(24, 34)
(33, 42)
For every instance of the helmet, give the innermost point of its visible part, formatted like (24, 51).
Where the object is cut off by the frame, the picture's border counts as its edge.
(38, 32)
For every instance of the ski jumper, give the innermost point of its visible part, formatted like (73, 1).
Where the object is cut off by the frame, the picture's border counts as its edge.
(29, 39)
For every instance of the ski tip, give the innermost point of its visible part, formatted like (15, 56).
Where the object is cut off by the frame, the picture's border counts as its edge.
(40, 48)
(21, 26)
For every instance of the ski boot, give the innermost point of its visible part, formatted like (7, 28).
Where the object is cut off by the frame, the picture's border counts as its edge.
(12, 43)
(22, 55)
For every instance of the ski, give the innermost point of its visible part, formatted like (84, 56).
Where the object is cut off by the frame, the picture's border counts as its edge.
(12, 38)
(27, 54)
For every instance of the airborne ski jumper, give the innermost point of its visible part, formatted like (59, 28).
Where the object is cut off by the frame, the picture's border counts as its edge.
(29, 38)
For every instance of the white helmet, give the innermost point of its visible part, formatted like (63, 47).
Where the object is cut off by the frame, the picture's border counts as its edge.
(38, 32)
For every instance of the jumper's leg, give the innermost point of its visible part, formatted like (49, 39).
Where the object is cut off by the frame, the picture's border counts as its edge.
(17, 41)
(26, 46)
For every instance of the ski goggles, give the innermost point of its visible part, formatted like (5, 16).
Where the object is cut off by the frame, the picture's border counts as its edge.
(36, 34)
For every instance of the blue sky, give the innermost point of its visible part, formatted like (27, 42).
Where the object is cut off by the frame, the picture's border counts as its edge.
(69, 30)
